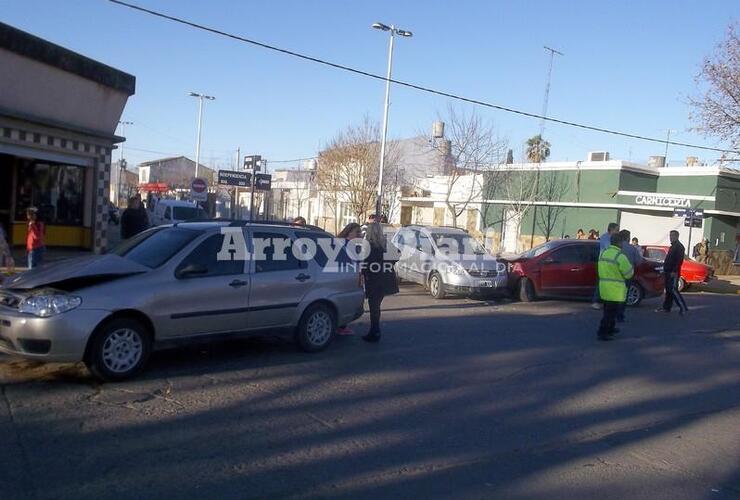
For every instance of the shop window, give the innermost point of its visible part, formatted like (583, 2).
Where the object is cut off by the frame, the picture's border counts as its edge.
(56, 190)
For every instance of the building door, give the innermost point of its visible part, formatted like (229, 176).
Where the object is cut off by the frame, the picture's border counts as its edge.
(511, 230)
(406, 213)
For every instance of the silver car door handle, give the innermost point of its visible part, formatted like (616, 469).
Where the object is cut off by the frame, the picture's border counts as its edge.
(573, 269)
(238, 284)
(303, 277)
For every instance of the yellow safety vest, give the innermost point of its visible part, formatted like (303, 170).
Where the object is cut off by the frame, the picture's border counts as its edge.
(614, 270)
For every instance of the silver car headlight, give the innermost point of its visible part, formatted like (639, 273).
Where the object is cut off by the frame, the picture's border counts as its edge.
(49, 304)
(457, 269)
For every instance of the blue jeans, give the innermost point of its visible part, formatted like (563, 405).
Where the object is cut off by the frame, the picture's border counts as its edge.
(35, 257)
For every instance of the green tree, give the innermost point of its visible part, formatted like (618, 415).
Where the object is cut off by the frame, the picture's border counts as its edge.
(538, 149)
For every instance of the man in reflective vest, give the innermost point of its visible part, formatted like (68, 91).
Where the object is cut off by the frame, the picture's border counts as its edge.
(614, 269)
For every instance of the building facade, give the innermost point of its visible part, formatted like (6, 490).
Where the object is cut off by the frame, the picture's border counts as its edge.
(568, 196)
(58, 115)
(177, 172)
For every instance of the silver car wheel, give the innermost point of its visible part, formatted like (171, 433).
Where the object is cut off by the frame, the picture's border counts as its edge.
(633, 295)
(434, 286)
(122, 350)
(318, 328)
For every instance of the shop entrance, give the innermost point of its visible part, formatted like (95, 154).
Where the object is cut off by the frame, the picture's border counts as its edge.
(6, 192)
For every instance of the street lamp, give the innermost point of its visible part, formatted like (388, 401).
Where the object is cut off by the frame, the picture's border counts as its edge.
(393, 31)
(200, 121)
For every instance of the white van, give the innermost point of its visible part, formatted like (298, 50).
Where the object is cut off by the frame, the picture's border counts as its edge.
(173, 211)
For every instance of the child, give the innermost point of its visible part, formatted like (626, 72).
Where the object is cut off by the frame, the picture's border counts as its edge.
(35, 244)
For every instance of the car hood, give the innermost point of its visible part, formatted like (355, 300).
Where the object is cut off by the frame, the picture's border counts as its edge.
(485, 261)
(76, 272)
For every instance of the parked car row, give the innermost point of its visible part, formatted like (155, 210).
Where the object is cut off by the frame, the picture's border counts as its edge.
(174, 284)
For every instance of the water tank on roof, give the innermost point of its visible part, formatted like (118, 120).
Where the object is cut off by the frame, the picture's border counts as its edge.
(598, 156)
(656, 161)
(438, 129)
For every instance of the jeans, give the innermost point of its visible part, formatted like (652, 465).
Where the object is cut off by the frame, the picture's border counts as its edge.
(623, 305)
(373, 302)
(608, 320)
(672, 293)
(35, 257)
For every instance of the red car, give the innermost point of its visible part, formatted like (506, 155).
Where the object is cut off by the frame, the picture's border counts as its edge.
(691, 270)
(567, 269)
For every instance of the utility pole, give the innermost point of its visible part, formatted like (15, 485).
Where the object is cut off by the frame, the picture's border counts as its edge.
(667, 141)
(200, 122)
(547, 87)
(236, 208)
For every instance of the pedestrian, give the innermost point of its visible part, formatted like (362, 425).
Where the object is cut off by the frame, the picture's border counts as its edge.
(701, 250)
(633, 255)
(370, 220)
(134, 219)
(379, 277)
(580, 234)
(593, 234)
(672, 272)
(614, 270)
(35, 238)
(299, 221)
(6, 258)
(635, 242)
(350, 232)
(604, 242)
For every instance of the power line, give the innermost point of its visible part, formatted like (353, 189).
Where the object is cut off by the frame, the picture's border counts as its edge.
(293, 161)
(413, 85)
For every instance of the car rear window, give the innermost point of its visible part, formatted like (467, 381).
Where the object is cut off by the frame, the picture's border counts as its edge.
(155, 247)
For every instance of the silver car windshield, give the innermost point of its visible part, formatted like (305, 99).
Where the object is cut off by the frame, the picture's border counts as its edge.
(460, 244)
(156, 246)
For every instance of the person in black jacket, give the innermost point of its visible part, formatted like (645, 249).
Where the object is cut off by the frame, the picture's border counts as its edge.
(672, 271)
(134, 220)
(379, 276)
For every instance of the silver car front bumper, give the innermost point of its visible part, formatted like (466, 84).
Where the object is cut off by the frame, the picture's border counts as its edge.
(61, 338)
(465, 284)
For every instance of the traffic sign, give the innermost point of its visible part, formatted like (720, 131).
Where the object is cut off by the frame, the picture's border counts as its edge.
(199, 190)
(263, 182)
(679, 212)
(693, 222)
(253, 162)
(234, 178)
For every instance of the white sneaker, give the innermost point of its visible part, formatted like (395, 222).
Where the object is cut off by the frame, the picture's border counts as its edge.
(595, 305)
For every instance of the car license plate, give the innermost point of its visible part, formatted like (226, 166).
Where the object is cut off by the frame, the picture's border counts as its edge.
(485, 283)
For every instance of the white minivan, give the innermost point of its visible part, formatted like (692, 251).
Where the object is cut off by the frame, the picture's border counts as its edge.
(174, 211)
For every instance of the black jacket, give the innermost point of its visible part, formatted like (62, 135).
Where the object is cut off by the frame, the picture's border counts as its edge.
(379, 274)
(133, 222)
(674, 259)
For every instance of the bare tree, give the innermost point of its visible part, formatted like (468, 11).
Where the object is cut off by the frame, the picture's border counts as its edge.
(552, 186)
(471, 148)
(717, 111)
(348, 167)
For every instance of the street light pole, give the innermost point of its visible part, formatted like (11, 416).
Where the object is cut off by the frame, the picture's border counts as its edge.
(200, 122)
(393, 31)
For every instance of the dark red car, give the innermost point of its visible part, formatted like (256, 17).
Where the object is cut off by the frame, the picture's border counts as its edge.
(567, 269)
(691, 270)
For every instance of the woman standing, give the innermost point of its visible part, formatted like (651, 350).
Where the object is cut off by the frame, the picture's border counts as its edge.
(379, 276)
(35, 238)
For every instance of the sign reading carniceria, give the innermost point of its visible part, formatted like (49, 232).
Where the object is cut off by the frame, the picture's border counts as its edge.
(662, 201)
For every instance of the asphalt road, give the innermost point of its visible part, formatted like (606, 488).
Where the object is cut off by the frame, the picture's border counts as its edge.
(461, 399)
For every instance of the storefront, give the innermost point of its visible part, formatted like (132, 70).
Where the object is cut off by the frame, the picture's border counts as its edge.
(557, 199)
(58, 114)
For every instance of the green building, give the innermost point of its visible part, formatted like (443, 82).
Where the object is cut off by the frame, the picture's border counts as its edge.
(526, 204)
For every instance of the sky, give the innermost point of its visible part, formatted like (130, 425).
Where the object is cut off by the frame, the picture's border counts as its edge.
(628, 66)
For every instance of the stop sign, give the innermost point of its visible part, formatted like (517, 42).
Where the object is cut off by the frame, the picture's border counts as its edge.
(199, 190)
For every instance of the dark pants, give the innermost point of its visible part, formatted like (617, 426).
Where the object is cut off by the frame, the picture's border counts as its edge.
(672, 293)
(35, 257)
(623, 305)
(608, 320)
(373, 301)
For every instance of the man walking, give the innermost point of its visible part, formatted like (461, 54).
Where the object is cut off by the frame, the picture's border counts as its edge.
(633, 255)
(604, 242)
(614, 270)
(672, 271)
(134, 219)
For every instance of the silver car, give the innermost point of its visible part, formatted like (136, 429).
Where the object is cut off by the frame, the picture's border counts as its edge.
(175, 284)
(447, 261)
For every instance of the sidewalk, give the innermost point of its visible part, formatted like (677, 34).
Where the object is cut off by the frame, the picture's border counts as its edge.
(722, 284)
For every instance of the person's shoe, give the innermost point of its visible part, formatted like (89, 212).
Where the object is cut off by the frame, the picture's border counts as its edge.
(661, 310)
(683, 313)
(595, 305)
(371, 337)
(345, 331)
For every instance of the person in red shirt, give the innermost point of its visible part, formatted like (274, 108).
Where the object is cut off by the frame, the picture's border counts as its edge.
(35, 238)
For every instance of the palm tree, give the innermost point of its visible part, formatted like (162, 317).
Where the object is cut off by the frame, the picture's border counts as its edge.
(538, 149)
